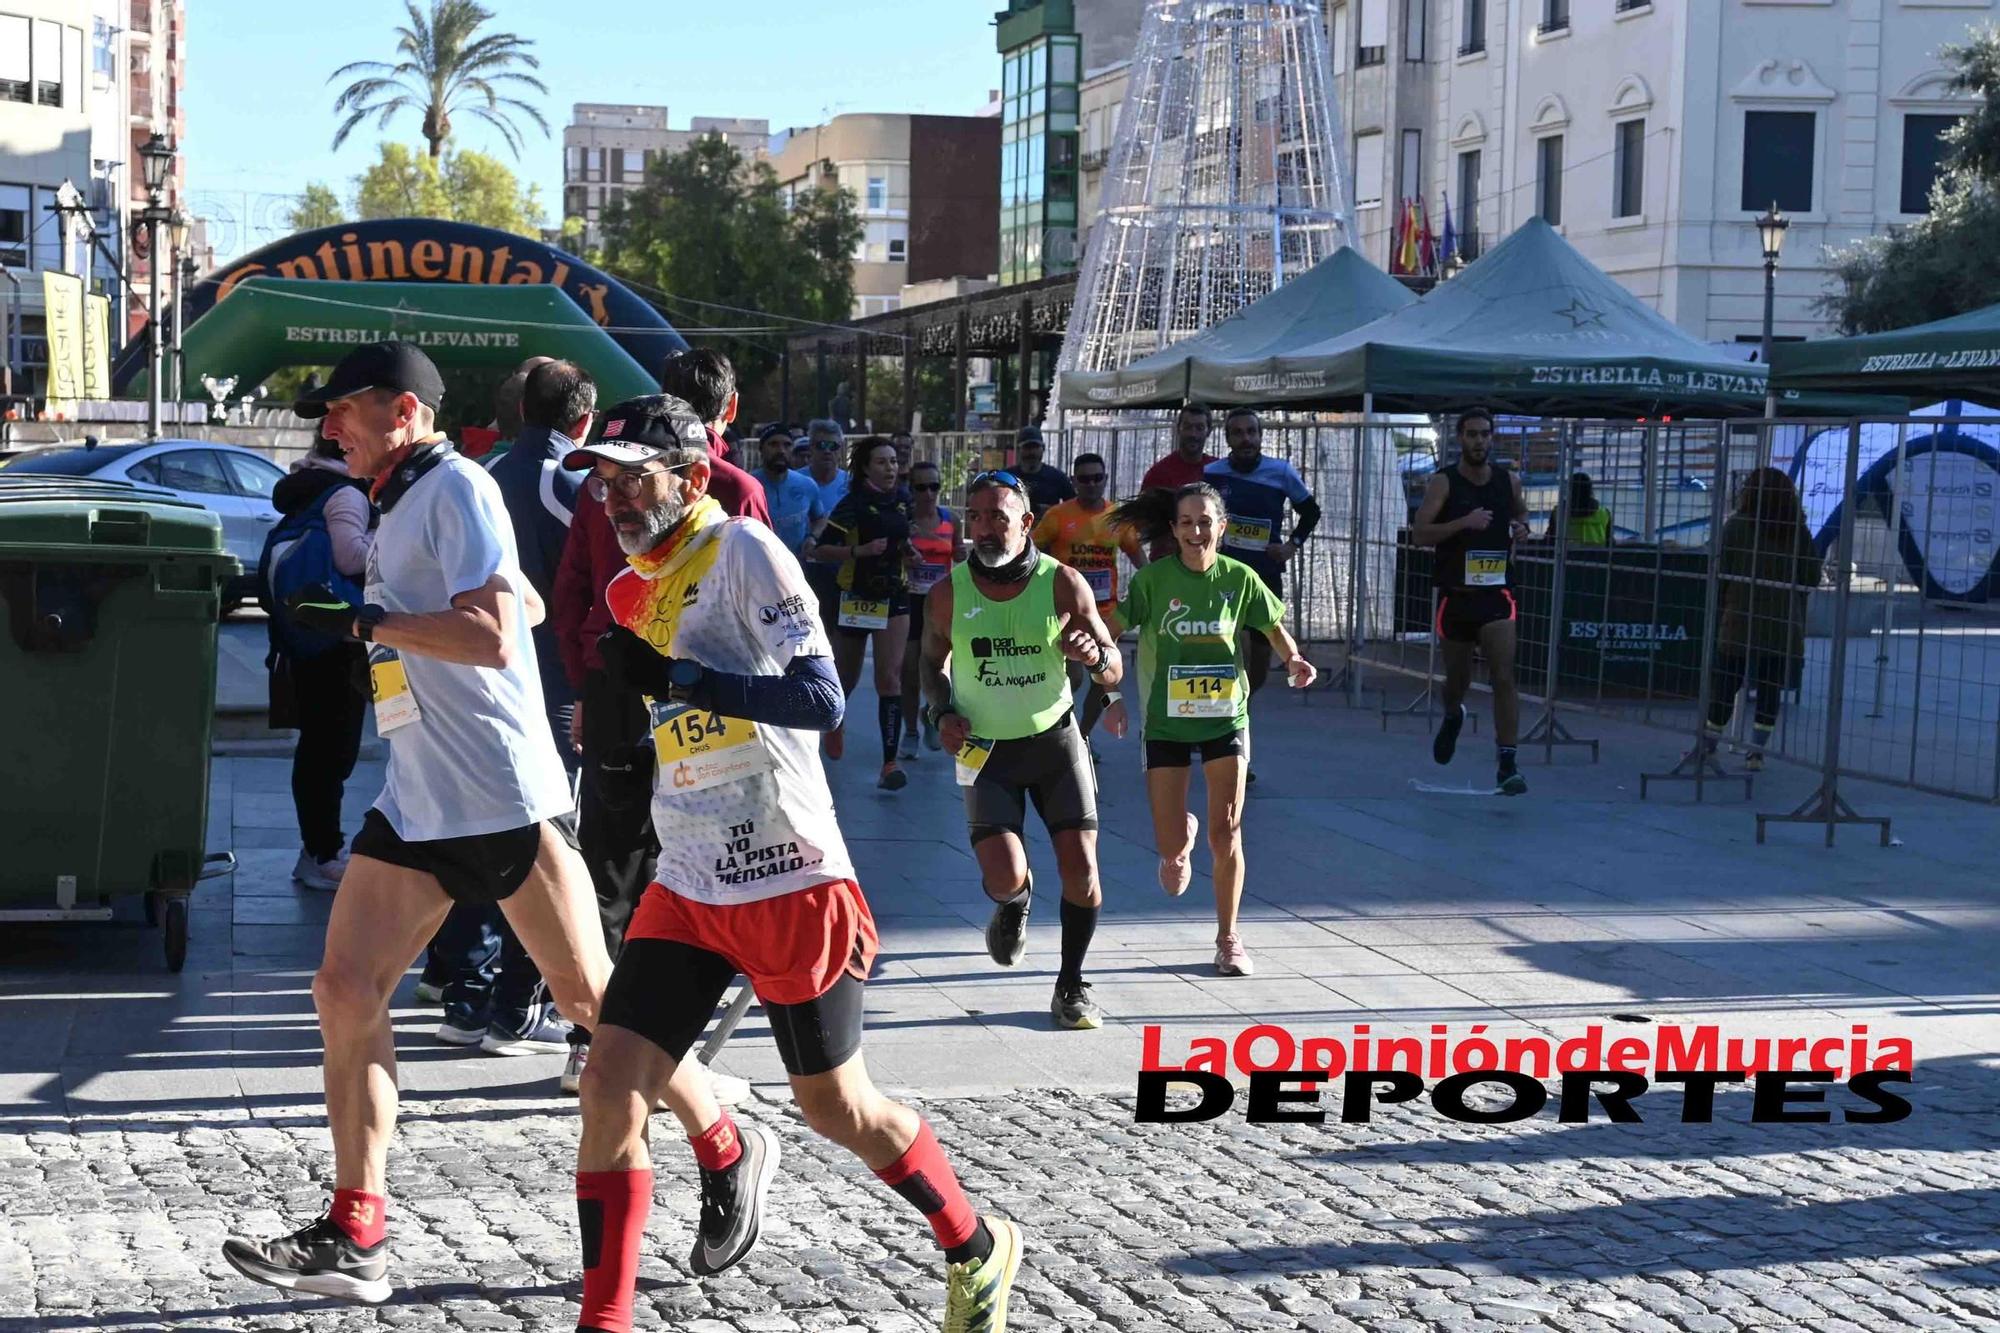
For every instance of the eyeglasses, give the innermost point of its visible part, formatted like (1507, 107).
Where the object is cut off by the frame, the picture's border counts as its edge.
(926, 486)
(628, 484)
(826, 446)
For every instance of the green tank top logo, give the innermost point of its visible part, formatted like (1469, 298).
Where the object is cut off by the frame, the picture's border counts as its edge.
(1007, 675)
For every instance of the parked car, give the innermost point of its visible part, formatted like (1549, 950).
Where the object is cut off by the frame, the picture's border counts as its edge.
(233, 482)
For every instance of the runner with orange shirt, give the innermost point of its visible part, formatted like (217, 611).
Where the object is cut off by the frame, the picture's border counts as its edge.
(1077, 533)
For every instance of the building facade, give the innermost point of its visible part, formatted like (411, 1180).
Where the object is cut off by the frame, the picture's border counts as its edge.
(926, 189)
(1047, 50)
(607, 148)
(83, 83)
(1652, 132)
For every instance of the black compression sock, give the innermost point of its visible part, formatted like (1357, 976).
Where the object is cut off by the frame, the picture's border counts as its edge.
(1506, 757)
(1079, 923)
(980, 1246)
(889, 713)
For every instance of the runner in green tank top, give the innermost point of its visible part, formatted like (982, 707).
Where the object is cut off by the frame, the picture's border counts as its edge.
(1188, 609)
(996, 634)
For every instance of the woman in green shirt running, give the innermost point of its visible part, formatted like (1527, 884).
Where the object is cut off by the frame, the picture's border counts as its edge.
(1188, 611)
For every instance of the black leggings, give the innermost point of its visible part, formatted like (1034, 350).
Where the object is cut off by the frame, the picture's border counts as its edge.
(1766, 674)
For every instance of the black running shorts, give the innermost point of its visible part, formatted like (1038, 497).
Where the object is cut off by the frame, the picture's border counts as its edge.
(483, 868)
(667, 990)
(1051, 767)
(1181, 754)
(1463, 612)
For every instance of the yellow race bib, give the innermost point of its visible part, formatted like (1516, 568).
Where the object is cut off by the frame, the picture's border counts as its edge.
(389, 683)
(698, 749)
(1247, 534)
(1485, 569)
(1202, 691)
(858, 613)
(972, 757)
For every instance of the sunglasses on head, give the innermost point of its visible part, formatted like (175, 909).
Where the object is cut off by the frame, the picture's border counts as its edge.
(998, 477)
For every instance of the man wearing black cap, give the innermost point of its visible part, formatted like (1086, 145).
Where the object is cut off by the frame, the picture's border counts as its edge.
(1047, 486)
(475, 806)
(716, 626)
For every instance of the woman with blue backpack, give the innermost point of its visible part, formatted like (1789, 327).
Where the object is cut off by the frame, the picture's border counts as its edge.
(323, 534)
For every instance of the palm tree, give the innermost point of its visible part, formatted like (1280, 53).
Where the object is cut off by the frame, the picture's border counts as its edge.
(444, 68)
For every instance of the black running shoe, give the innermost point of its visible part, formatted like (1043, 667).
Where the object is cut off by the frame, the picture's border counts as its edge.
(1071, 1007)
(1511, 782)
(1007, 932)
(732, 1204)
(318, 1260)
(1446, 743)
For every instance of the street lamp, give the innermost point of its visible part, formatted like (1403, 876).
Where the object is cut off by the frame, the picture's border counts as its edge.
(1771, 231)
(156, 157)
(180, 228)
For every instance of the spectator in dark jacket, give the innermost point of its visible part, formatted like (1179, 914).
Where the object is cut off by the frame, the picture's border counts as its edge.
(318, 694)
(541, 497)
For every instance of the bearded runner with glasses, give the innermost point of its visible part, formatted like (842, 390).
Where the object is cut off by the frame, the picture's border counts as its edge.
(1078, 532)
(717, 628)
(996, 635)
(1473, 513)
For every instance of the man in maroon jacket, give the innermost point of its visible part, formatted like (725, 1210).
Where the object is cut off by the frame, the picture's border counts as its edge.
(618, 844)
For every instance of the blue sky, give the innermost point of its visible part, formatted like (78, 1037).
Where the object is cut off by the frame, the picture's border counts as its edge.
(260, 110)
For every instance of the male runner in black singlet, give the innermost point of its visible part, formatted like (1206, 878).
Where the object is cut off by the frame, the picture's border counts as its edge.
(1473, 514)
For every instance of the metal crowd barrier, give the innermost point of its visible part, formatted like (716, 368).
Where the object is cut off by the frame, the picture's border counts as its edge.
(1880, 652)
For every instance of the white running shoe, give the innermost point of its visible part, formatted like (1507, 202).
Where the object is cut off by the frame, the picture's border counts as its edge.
(311, 873)
(1231, 958)
(1177, 872)
(571, 1082)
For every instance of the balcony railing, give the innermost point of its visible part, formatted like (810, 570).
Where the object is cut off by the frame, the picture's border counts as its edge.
(1370, 55)
(1560, 23)
(1472, 48)
(1627, 6)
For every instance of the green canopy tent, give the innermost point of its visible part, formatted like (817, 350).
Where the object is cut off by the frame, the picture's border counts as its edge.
(1948, 358)
(265, 324)
(1341, 292)
(1532, 327)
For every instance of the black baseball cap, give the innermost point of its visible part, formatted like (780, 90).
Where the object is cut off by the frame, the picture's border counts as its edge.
(1028, 435)
(395, 365)
(639, 430)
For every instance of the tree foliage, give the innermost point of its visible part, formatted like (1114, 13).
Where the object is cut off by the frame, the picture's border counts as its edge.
(465, 186)
(1948, 262)
(318, 206)
(711, 231)
(446, 67)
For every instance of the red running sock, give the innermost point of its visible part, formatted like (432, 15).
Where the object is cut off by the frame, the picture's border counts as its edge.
(363, 1216)
(717, 1147)
(925, 1178)
(611, 1212)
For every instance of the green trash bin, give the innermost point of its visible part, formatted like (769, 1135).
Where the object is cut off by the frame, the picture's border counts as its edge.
(112, 595)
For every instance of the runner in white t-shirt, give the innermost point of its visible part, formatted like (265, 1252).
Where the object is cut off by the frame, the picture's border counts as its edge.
(718, 628)
(476, 808)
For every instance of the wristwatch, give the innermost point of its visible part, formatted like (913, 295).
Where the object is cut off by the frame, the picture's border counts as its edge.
(366, 619)
(935, 715)
(683, 676)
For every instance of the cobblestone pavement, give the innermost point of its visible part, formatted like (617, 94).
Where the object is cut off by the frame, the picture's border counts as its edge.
(143, 1116)
(1409, 1222)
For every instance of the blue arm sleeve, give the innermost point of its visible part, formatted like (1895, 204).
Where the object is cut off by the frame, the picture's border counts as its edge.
(807, 697)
